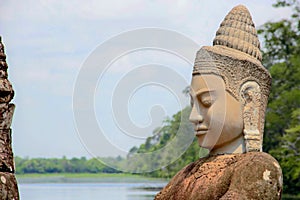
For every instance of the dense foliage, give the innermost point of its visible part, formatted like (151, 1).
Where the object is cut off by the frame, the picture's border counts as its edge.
(282, 57)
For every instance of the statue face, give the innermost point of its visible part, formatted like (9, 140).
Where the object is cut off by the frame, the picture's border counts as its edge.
(216, 115)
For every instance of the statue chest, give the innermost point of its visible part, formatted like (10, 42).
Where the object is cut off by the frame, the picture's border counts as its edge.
(210, 180)
(205, 179)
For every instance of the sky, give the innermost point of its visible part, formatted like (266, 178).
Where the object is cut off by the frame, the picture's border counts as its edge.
(48, 43)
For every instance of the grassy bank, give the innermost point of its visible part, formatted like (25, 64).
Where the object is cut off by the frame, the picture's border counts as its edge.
(83, 177)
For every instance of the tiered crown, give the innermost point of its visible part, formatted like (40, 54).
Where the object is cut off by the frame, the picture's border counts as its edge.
(237, 31)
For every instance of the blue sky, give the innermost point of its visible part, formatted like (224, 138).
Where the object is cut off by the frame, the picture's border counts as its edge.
(48, 41)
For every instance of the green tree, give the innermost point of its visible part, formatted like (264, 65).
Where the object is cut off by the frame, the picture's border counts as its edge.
(288, 154)
(281, 55)
(94, 166)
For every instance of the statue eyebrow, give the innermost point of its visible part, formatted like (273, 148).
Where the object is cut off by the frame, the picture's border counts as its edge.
(201, 91)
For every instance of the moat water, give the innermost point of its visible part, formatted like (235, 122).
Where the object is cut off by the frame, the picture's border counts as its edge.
(86, 191)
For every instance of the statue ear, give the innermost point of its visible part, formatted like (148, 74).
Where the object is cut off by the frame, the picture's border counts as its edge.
(251, 96)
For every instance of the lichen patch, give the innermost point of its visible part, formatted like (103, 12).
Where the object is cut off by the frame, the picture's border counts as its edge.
(276, 164)
(266, 175)
(3, 179)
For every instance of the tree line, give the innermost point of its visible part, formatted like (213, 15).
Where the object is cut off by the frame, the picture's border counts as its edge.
(61, 165)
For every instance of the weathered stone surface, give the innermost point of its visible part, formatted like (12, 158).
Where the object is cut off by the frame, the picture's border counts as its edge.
(253, 175)
(8, 186)
(6, 91)
(6, 115)
(3, 64)
(8, 183)
(3, 74)
(6, 154)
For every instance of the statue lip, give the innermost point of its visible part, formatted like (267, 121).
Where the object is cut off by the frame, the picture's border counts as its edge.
(200, 130)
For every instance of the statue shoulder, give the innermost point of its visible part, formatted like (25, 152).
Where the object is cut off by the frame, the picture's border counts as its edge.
(257, 175)
(260, 162)
(206, 178)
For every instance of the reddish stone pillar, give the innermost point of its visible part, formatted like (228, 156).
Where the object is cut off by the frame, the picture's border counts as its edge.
(8, 183)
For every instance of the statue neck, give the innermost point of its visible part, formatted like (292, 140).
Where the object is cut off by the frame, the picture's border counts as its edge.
(235, 146)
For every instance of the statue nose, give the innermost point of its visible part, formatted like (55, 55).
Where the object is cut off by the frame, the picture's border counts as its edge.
(195, 116)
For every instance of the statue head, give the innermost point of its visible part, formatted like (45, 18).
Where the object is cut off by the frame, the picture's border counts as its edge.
(230, 87)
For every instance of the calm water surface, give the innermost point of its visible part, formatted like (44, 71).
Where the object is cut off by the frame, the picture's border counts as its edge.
(85, 191)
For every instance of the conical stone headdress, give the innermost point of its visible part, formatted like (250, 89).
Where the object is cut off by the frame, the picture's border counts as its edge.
(237, 31)
(236, 57)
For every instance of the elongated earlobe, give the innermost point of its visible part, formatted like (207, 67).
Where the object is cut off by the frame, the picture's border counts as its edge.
(251, 96)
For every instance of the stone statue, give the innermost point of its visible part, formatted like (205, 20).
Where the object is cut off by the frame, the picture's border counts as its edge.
(8, 183)
(229, 94)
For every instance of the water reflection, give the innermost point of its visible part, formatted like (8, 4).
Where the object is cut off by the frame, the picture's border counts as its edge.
(76, 191)
(145, 192)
